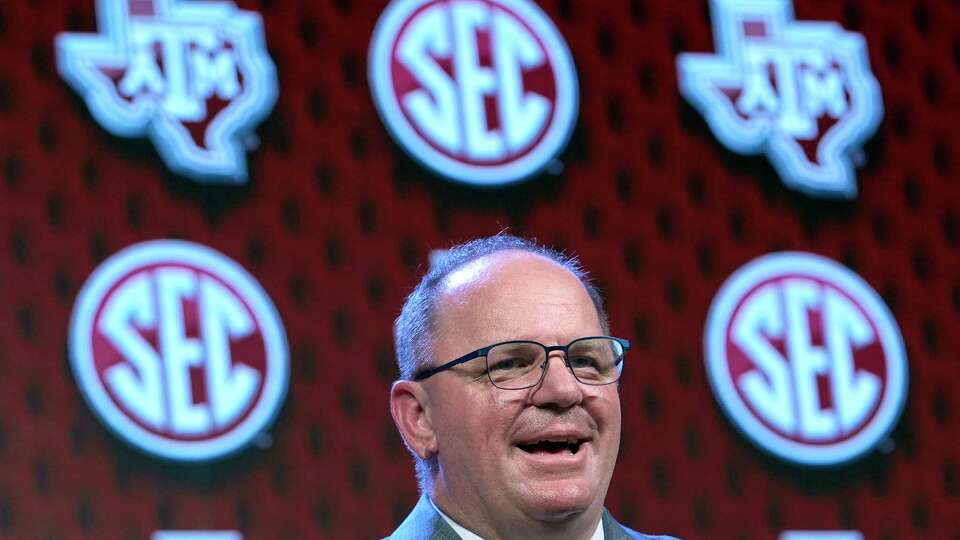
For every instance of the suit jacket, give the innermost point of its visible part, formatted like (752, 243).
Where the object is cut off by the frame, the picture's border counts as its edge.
(424, 523)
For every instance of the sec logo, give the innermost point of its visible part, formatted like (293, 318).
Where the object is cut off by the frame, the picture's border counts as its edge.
(482, 92)
(179, 351)
(805, 359)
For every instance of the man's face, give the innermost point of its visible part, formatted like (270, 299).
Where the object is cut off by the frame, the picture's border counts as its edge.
(492, 443)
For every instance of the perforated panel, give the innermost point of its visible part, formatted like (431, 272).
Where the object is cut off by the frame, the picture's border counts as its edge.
(337, 223)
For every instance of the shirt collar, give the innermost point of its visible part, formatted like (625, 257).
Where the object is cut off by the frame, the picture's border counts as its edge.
(468, 535)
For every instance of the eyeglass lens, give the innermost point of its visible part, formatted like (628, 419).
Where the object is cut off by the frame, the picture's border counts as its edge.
(517, 365)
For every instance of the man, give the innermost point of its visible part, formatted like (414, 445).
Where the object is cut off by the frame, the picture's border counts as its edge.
(513, 418)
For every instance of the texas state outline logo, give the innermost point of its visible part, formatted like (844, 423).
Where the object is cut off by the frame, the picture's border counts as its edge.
(193, 76)
(800, 92)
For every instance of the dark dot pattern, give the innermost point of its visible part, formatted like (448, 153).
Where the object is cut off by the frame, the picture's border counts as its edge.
(337, 224)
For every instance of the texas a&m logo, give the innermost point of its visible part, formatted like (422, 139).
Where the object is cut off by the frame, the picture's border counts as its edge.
(480, 91)
(805, 359)
(800, 92)
(179, 351)
(193, 76)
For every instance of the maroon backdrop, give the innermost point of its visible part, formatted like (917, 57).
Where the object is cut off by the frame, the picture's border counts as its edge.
(337, 223)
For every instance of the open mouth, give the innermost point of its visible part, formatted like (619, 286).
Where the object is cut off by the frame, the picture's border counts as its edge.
(552, 447)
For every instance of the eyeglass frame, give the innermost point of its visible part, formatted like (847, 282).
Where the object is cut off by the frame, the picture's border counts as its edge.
(483, 351)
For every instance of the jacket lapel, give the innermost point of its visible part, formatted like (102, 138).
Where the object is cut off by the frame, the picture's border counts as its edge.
(424, 523)
(611, 529)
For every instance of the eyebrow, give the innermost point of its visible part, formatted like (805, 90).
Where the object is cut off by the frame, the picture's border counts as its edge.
(514, 346)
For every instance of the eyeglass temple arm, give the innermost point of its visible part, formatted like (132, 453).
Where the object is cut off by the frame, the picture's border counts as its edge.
(465, 358)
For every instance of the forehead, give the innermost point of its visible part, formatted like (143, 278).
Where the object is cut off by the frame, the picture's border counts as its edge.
(513, 295)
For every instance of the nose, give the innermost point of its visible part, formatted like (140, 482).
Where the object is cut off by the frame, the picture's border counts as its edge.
(558, 388)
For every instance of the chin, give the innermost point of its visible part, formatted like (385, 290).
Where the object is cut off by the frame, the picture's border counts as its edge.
(559, 500)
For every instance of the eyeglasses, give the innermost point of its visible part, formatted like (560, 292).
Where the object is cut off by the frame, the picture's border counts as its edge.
(512, 365)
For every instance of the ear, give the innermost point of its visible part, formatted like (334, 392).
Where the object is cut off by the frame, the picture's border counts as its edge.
(410, 408)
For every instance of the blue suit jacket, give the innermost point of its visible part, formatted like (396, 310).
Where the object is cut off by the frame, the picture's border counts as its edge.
(424, 523)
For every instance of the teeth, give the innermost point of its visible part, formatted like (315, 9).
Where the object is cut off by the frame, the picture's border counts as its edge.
(572, 446)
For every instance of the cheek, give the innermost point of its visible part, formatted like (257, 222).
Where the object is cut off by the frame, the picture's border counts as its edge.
(477, 421)
(490, 422)
(497, 413)
(606, 410)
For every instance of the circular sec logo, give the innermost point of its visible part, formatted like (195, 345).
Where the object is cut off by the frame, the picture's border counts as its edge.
(179, 351)
(480, 91)
(805, 359)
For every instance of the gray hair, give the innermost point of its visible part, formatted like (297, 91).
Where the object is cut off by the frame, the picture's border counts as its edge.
(413, 329)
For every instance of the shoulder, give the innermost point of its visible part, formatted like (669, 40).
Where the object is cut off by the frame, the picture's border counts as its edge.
(632, 534)
(640, 536)
(423, 523)
(614, 530)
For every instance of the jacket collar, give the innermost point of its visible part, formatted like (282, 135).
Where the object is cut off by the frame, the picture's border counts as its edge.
(425, 523)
